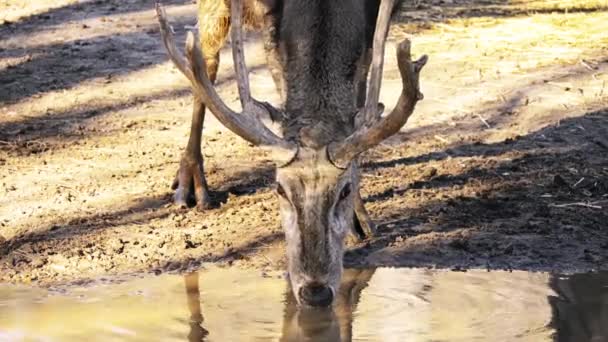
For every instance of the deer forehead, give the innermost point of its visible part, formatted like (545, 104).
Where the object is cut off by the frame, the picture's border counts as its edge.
(311, 169)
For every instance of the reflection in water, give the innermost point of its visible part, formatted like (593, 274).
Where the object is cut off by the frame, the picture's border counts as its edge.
(314, 324)
(333, 324)
(372, 305)
(580, 309)
(193, 295)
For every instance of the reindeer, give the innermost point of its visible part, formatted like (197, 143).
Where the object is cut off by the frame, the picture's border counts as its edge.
(323, 131)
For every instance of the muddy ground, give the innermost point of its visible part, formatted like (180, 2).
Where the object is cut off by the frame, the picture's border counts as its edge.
(504, 165)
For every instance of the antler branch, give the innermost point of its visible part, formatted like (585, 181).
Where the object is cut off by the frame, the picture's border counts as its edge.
(341, 154)
(247, 125)
(375, 82)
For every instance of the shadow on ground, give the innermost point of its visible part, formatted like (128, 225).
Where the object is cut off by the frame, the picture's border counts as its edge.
(30, 25)
(424, 13)
(537, 202)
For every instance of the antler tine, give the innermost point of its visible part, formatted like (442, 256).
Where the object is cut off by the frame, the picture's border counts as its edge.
(248, 127)
(238, 54)
(248, 103)
(167, 35)
(375, 81)
(342, 153)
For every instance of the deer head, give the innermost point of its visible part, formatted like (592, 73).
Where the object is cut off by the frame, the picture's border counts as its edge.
(315, 181)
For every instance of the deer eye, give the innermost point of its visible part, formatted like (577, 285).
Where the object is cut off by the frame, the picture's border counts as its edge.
(281, 191)
(345, 191)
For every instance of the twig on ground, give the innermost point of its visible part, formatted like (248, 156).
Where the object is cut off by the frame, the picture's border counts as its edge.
(442, 139)
(579, 182)
(576, 204)
(586, 65)
(484, 121)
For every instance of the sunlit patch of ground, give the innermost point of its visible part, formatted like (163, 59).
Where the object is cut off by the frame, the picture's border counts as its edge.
(93, 119)
(490, 68)
(13, 10)
(559, 5)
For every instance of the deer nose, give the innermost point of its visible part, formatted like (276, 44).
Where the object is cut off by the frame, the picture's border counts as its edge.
(316, 295)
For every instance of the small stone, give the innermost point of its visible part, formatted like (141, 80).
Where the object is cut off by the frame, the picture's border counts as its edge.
(39, 262)
(190, 244)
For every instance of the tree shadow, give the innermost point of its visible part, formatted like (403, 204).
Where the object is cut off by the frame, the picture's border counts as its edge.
(534, 203)
(54, 238)
(142, 211)
(241, 183)
(580, 307)
(66, 64)
(244, 250)
(497, 114)
(423, 13)
(50, 131)
(540, 208)
(78, 11)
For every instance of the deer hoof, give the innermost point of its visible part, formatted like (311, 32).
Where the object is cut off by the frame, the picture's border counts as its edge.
(190, 185)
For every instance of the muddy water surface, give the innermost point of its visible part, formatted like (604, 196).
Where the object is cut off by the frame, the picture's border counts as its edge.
(373, 305)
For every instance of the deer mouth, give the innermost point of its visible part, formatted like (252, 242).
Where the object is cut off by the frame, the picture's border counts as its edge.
(316, 295)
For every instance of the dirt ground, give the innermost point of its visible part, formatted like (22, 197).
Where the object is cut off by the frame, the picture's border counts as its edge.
(504, 165)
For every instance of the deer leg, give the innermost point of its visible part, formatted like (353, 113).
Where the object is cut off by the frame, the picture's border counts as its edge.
(193, 296)
(190, 184)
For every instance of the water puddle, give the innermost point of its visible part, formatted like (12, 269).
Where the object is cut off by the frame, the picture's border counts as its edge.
(373, 305)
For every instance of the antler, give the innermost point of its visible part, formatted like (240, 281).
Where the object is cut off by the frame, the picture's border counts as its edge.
(247, 124)
(366, 137)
